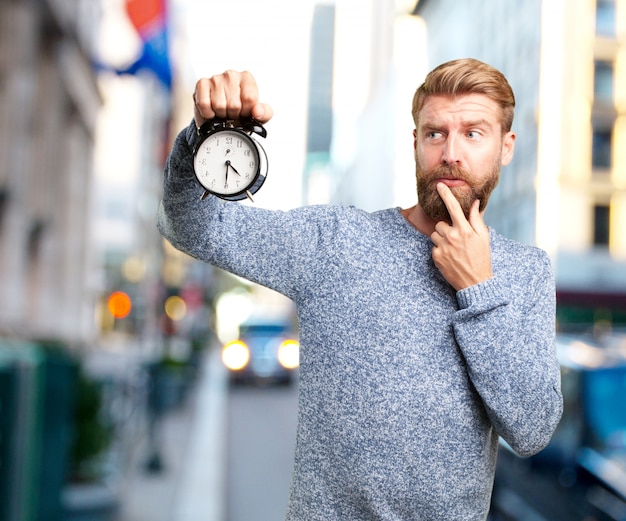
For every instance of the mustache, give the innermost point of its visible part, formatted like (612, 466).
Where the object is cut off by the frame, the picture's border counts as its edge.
(447, 171)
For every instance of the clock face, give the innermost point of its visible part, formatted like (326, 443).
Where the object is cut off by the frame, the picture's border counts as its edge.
(227, 162)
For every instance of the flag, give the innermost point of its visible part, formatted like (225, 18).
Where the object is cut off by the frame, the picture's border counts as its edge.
(149, 18)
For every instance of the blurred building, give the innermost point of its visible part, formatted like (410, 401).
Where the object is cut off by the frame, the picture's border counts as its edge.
(84, 130)
(566, 188)
(379, 59)
(319, 131)
(48, 107)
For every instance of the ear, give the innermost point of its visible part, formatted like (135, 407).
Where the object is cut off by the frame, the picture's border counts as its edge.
(508, 147)
(414, 139)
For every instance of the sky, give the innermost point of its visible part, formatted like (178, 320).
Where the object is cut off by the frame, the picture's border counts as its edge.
(269, 38)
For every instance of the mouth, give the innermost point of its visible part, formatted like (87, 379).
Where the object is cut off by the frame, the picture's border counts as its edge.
(451, 182)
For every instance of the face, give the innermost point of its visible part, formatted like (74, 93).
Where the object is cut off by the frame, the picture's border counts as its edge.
(459, 142)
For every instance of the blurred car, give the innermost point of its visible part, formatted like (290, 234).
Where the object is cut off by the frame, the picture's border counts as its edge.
(581, 474)
(265, 352)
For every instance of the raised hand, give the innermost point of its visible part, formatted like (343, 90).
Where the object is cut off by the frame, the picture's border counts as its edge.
(461, 251)
(231, 95)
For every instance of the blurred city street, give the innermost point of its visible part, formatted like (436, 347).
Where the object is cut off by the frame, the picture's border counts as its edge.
(115, 403)
(262, 431)
(190, 441)
(224, 454)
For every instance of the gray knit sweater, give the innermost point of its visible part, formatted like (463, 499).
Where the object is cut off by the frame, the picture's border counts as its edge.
(405, 384)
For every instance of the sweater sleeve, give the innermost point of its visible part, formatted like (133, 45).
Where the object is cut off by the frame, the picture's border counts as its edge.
(272, 248)
(506, 331)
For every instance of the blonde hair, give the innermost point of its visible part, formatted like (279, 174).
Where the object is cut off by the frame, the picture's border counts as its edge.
(467, 76)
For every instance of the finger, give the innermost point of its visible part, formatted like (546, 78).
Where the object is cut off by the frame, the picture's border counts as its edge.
(226, 94)
(203, 110)
(442, 228)
(250, 105)
(453, 206)
(248, 94)
(439, 232)
(476, 219)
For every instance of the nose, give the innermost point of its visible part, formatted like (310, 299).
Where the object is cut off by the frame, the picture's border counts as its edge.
(451, 154)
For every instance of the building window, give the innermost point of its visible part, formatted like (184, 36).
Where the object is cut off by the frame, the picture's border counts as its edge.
(601, 149)
(601, 225)
(603, 81)
(35, 239)
(4, 203)
(605, 17)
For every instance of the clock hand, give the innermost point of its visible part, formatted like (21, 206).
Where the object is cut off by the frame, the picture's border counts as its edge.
(234, 169)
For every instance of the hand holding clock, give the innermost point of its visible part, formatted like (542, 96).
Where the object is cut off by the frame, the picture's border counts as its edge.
(230, 95)
(228, 118)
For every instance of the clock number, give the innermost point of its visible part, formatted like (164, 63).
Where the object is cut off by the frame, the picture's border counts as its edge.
(251, 164)
(229, 140)
(247, 153)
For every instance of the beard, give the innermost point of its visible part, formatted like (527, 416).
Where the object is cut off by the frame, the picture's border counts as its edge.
(431, 202)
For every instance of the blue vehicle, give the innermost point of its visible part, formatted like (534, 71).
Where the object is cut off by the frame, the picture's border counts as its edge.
(581, 474)
(265, 352)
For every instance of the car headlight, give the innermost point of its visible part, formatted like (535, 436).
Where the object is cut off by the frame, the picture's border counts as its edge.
(235, 355)
(289, 354)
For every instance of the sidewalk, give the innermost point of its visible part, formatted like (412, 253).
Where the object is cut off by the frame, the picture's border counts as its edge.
(191, 444)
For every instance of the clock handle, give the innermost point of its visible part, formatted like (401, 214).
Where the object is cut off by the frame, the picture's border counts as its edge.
(252, 125)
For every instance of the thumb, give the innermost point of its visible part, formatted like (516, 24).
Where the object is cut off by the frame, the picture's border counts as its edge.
(262, 112)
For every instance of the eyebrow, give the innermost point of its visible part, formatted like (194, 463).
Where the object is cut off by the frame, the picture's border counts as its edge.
(472, 123)
(478, 123)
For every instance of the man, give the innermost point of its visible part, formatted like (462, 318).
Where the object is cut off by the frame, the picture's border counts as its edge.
(424, 334)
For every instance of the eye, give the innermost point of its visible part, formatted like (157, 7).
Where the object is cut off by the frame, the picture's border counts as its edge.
(433, 134)
(475, 135)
